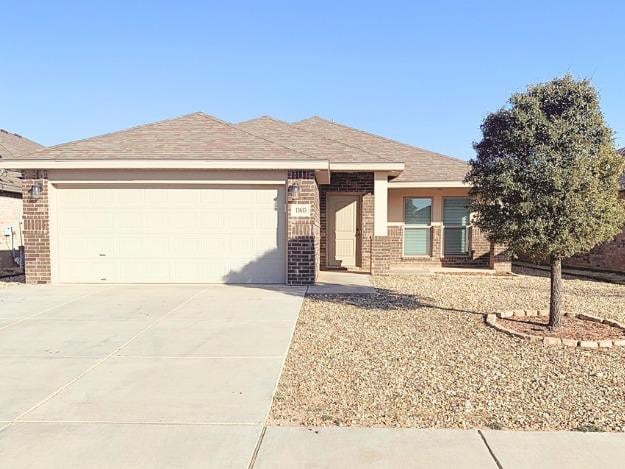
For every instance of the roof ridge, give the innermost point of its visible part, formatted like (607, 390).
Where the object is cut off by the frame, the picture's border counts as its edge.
(106, 134)
(234, 126)
(384, 138)
(317, 134)
(340, 141)
(20, 136)
(264, 116)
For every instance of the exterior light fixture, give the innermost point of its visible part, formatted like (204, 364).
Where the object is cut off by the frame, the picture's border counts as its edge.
(294, 190)
(35, 190)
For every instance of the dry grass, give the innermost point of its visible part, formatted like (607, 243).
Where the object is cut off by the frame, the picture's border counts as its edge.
(418, 354)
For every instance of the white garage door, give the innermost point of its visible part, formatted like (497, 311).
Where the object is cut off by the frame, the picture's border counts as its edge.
(177, 234)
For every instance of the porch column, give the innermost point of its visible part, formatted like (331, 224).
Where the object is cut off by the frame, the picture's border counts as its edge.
(380, 243)
(380, 207)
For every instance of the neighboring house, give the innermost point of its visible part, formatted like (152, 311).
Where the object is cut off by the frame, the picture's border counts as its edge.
(607, 256)
(11, 145)
(197, 199)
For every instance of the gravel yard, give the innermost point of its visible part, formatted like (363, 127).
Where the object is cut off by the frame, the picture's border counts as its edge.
(418, 354)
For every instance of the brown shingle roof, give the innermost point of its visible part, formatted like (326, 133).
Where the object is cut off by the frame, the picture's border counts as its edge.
(310, 143)
(421, 165)
(11, 146)
(193, 136)
(201, 137)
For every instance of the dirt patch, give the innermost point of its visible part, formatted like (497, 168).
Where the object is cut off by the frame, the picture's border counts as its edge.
(571, 328)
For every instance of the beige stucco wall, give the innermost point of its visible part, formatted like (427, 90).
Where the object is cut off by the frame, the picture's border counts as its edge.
(396, 201)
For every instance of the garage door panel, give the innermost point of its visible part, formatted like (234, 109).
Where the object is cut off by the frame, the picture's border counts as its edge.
(75, 220)
(265, 223)
(211, 197)
(81, 271)
(139, 247)
(211, 220)
(183, 197)
(132, 221)
(165, 234)
(146, 271)
(81, 247)
(266, 271)
(200, 247)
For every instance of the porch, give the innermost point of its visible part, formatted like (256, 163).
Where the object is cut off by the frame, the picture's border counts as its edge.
(369, 225)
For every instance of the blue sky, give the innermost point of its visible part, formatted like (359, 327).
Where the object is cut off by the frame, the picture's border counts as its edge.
(425, 73)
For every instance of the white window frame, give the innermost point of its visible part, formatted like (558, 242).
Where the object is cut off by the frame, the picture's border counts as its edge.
(410, 225)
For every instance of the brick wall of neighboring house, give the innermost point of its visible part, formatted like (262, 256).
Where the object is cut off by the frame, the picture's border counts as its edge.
(356, 183)
(607, 256)
(10, 217)
(36, 228)
(303, 242)
(479, 248)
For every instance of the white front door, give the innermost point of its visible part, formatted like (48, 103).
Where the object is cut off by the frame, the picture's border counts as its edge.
(342, 225)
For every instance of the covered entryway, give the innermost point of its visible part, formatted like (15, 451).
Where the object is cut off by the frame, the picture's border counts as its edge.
(168, 233)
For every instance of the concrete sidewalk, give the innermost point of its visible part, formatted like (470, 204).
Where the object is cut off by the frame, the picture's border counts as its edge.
(353, 447)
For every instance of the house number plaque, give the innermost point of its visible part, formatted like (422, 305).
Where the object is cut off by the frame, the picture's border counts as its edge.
(300, 210)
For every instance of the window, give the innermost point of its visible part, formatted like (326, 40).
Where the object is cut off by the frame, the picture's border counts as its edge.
(456, 220)
(417, 226)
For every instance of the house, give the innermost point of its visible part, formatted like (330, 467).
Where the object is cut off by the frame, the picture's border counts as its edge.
(11, 145)
(608, 256)
(197, 199)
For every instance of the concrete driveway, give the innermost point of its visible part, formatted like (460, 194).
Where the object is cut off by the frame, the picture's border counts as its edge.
(139, 376)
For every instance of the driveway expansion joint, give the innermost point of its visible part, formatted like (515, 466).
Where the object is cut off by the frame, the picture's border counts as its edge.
(490, 450)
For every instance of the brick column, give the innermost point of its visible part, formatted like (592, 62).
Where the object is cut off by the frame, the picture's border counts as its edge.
(381, 255)
(303, 233)
(499, 258)
(36, 228)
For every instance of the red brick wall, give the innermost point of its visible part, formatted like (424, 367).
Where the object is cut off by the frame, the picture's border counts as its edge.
(606, 256)
(36, 228)
(609, 256)
(303, 233)
(357, 183)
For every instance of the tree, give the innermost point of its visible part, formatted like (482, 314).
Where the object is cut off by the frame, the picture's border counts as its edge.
(545, 178)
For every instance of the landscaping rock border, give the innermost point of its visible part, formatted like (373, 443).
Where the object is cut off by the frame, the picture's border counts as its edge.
(491, 320)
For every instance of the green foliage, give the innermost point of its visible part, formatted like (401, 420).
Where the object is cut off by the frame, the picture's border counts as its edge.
(545, 179)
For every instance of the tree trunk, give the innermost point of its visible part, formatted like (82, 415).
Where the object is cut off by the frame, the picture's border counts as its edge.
(557, 291)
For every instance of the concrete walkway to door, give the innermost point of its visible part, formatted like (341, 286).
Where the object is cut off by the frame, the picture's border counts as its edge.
(139, 376)
(340, 282)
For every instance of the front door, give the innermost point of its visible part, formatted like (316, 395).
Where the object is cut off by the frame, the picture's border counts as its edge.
(342, 224)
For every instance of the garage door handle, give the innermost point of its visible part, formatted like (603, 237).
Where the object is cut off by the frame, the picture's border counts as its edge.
(102, 255)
